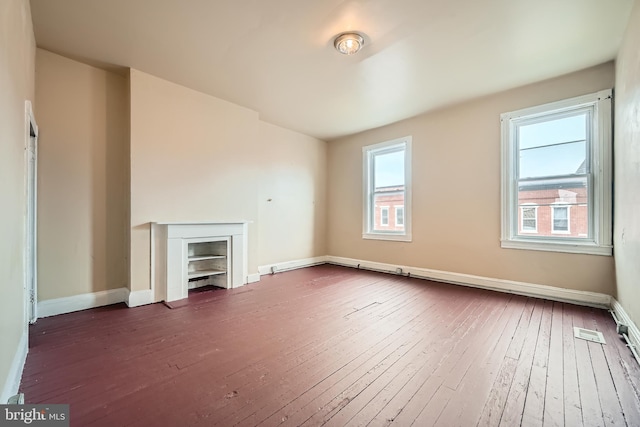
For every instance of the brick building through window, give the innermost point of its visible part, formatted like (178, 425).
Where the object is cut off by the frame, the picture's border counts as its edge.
(389, 208)
(557, 209)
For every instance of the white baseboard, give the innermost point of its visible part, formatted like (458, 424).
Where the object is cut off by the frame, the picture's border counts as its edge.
(64, 305)
(621, 314)
(292, 265)
(138, 298)
(591, 299)
(12, 383)
(253, 278)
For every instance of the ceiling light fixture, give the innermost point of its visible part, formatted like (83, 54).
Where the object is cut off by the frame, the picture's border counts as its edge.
(348, 43)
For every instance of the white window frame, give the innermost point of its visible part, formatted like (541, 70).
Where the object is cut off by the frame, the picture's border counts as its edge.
(368, 211)
(600, 178)
(383, 223)
(396, 210)
(553, 218)
(535, 213)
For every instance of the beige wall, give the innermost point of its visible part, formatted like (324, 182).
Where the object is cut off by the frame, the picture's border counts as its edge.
(17, 59)
(627, 169)
(195, 157)
(456, 193)
(82, 115)
(292, 195)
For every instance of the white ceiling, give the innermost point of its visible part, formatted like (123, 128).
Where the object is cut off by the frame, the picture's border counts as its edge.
(276, 57)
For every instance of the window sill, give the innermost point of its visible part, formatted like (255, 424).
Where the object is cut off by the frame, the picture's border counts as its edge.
(588, 248)
(386, 236)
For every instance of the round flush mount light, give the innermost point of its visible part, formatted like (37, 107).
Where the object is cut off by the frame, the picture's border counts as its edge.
(348, 43)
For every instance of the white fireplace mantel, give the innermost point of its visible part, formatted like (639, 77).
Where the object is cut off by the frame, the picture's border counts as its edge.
(169, 253)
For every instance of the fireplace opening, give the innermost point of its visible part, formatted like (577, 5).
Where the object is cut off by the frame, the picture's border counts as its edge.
(188, 256)
(208, 264)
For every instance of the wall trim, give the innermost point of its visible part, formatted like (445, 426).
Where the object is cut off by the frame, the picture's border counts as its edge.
(634, 332)
(12, 383)
(292, 265)
(253, 278)
(79, 302)
(143, 297)
(138, 298)
(591, 299)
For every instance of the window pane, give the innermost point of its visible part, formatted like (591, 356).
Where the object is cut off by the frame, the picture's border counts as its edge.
(384, 216)
(552, 148)
(388, 169)
(529, 219)
(560, 219)
(388, 188)
(572, 217)
(400, 217)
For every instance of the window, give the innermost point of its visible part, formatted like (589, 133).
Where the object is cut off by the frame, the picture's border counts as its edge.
(387, 182)
(529, 219)
(384, 216)
(399, 216)
(557, 157)
(560, 219)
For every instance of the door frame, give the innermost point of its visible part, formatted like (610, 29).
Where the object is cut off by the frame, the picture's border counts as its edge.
(31, 216)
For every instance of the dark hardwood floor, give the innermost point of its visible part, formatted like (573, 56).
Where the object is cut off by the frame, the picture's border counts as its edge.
(335, 346)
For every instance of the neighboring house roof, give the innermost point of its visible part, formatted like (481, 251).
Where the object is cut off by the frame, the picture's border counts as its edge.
(558, 183)
(389, 189)
(555, 184)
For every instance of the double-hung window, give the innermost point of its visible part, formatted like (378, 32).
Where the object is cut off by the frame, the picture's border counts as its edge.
(386, 183)
(556, 176)
(399, 216)
(560, 219)
(384, 216)
(529, 219)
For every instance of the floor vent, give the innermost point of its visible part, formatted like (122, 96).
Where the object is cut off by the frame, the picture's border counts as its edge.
(589, 335)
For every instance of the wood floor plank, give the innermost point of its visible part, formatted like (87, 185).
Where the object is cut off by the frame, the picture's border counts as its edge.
(554, 395)
(376, 398)
(294, 410)
(534, 403)
(397, 409)
(336, 346)
(589, 401)
(440, 333)
(447, 364)
(337, 362)
(512, 414)
(609, 401)
(622, 372)
(571, 390)
(230, 386)
(333, 354)
(495, 403)
(431, 352)
(433, 410)
(227, 408)
(479, 378)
